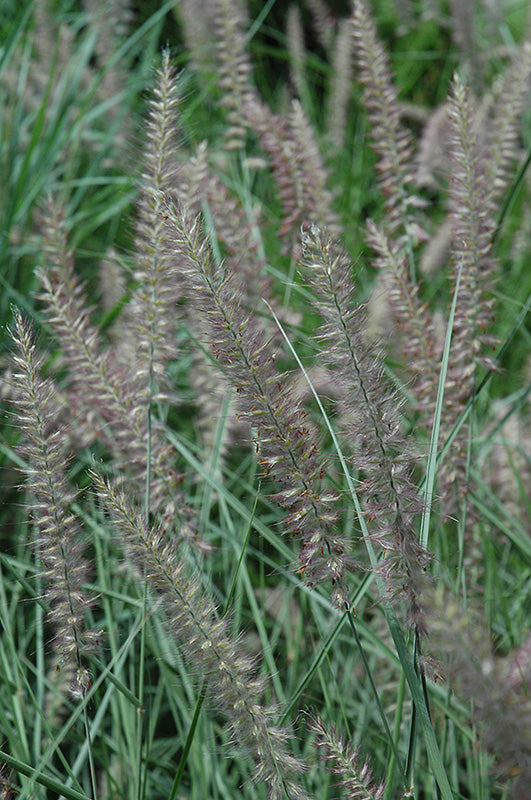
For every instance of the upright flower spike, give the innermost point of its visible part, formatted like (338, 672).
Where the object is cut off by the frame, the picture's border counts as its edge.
(286, 441)
(355, 775)
(296, 50)
(391, 239)
(381, 452)
(100, 386)
(209, 647)
(472, 211)
(473, 218)
(233, 229)
(391, 141)
(316, 200)
(415, 325)
(151, 314)
(323, 22)
(298, 168)
(511, 97)
(340, 85)
(480, 164)
(234, 67)
(59, 545)
(276, 140)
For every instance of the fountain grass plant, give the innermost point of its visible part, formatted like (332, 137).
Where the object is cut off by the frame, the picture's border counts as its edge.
(265, 377)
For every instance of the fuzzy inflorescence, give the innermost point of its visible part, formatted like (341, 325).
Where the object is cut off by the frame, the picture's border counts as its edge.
(151, 311)
(391, 140)
(392, 239)
(382, 454)
(59, 545)
(286, 441)
(355, 775)
(109, 399)
(211, 650)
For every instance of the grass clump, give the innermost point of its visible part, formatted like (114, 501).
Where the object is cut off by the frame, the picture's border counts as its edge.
(271, 536)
